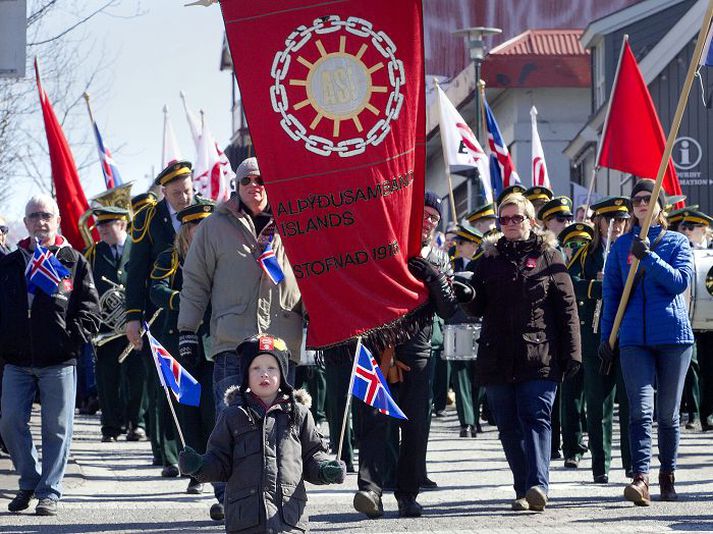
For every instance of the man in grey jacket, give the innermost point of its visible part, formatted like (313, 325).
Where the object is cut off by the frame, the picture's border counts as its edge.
(222, 268)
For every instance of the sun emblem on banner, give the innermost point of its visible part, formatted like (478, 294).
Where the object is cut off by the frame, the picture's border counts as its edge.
(337, 86)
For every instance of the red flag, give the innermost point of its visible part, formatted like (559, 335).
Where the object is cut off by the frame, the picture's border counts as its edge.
(70, 195)
(334, 95)
(634, 141)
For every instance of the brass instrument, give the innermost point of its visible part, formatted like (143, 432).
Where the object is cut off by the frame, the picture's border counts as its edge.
(130, 347)
(598, 307)
(118, 196)
(112, 307)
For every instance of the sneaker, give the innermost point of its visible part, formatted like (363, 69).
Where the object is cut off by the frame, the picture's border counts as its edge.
(170, 471)
(46, 506)
(368, 503)
(520, 504)
(536, 498)
(216, 512)
(21, 501)
(136, 434)
(408, 507)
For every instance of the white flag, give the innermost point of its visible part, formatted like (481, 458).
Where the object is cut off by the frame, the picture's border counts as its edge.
(171, 152)
(212, 173)
(539, 167)
(460, 146)
(193, 123)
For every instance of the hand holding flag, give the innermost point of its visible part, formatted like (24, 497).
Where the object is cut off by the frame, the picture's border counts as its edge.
(269, 264)
(44, 271)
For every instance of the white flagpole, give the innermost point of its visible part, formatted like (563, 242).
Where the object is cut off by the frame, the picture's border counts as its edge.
(163, 142)
(348, 404)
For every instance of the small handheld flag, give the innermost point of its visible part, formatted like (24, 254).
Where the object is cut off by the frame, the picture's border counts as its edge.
(268, 263)
(370, 385)
(44, 271)
(185, 388)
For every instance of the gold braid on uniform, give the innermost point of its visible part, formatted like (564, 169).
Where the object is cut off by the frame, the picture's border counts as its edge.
(138, 233)
(580, 254)
(159, 272)
(90, 254)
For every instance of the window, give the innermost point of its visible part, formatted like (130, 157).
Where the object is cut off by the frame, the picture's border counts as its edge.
(599, 75)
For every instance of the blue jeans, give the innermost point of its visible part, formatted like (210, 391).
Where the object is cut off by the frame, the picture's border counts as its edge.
(660, 367)
(58, 386)
(523, 413)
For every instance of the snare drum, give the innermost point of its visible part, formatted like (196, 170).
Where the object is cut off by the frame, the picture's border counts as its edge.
(701, 302)
(460, 341)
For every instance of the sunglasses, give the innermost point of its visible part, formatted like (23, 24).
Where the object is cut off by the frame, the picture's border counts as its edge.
(644, 199)
(564, 218)
(247, 180)
(511, 219)
(4, 229)
(40, 215)
(691, 226)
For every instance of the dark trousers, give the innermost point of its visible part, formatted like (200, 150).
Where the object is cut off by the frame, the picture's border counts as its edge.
(134, 391)
(441, 381)
(571, 415)
(413, 399)
(312, 378)
(336, 374)
(197, 422)
(704, 348)
(466, 397)
(161, 426)
(523, 414)
(108, 375)
(691, 400)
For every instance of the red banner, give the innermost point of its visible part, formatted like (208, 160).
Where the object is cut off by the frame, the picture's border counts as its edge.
(334, 98)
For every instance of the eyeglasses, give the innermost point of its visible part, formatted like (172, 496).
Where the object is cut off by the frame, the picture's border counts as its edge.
(564, 218)
(256, 179)
(432, 218)
(643, 199)
(4, 229)
(40, 215)
(511, 219)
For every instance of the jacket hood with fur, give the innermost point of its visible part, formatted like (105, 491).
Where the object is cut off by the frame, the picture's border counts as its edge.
(233, 396)
(546, 239)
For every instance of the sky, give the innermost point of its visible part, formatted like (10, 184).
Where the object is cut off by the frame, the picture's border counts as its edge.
(168, 48)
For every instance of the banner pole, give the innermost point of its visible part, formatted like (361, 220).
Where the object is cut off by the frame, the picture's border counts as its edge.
(163, 140)
(349, 400)
(596, 167)
(445, 154)
(673, 132)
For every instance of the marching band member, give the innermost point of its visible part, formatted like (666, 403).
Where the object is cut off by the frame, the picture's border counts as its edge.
(526, 345)
(600, 390)
(655, 338)
(121, 387)
(539, 196)
(166, 282)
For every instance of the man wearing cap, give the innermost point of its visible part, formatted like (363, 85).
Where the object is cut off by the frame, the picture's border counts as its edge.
(539, 196)
(108, 259)
(153, 231)
(600, 389)
(223, 268)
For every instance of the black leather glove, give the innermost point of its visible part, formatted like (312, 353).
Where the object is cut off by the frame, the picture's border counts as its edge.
(573, 368)
(464, 292)
(188, 349)
(640, 247)
(439, 289)
(607, 355)
(333, 472)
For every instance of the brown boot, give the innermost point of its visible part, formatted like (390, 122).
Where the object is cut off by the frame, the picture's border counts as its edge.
(638, 491)
(668, 493)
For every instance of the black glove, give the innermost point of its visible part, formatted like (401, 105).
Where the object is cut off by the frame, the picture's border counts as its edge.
(607, 356)
(189, 461)
(640, 247)
(440, 290)
(188, 349)
(464, 292)
(573, 368)
(333, 472)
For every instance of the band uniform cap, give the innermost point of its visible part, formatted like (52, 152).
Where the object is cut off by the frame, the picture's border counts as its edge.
(676, 216)
(539, 193)
(110, 213)
(556, 206)
(483, 212)
(195, 212)
(672, 200)
(695, 217)
(469, 234)
(247, 167)
(618, 207)
(517, 188)
(174, 171)
(576, 232)
(144, 199)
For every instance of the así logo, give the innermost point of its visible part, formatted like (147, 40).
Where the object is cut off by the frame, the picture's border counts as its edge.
(337, 85)
(687, 153)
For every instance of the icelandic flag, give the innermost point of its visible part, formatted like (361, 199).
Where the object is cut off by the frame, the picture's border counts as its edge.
(498, 147)
(112, 178)
(369, 384)
(707, 55)
(268, 263)
(44, 271)
(185, 388)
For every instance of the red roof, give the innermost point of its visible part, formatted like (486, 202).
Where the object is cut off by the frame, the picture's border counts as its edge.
(539, 58)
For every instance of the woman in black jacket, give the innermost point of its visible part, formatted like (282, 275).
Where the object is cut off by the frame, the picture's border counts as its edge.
(530, 338)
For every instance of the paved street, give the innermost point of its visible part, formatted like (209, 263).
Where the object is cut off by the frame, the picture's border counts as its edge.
(110, 487)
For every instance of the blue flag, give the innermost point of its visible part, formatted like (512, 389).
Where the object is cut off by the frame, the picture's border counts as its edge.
(44, 271)
(185, 388)
(370, 386)
(268, 263)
